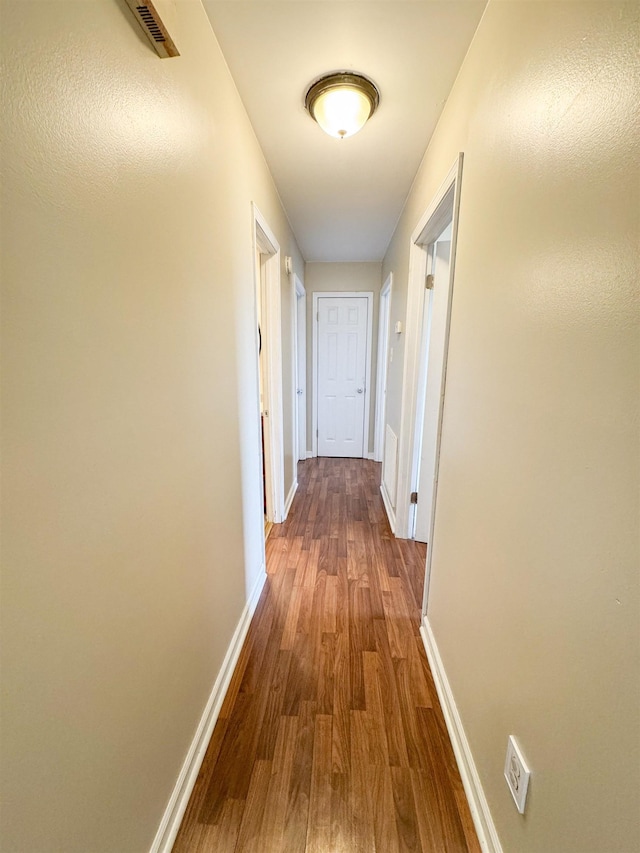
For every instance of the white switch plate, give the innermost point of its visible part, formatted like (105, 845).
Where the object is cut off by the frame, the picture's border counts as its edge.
(517, 773)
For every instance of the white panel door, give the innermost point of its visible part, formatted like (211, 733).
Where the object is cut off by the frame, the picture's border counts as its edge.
(435, 388)
(342, 362)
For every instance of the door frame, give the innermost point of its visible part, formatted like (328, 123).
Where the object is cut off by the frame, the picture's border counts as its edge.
(421, 396)
(299, 307)
(340, 294)
(265, 243)
(384, 329)
(444, 207)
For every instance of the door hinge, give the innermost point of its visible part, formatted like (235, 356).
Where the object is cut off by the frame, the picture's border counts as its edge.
(429, 282)
(414, 497)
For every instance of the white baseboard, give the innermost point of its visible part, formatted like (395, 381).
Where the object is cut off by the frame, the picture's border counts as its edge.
(483, 822)
(290, 497)
(389, 509)
(371, 456)
(309, 454)
(177, 805)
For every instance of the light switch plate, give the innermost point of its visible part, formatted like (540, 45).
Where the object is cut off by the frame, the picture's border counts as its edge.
(517, 774)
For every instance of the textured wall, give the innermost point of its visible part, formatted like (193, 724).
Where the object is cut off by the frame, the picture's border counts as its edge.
(534, 591)
(131, 524)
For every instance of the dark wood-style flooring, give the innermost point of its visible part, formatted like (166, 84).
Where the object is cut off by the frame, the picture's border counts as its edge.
(331, 738)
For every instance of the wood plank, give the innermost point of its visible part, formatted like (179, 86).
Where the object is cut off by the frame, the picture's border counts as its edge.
(341, 704)
(254, 807)
(341, 822)
(223, 835)
(361, 639)
(271, 718)
(378, 751)
(319, 825)
(384, 821)
(362, 823)
(391, 712)
(405, 810)
(277, 799)
(297, 816)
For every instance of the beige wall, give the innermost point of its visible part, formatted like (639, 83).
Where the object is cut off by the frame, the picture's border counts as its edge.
(534, 592)
(322, 277)
(129, 390)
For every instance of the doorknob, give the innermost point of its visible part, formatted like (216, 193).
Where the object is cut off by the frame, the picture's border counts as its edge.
(360, 390)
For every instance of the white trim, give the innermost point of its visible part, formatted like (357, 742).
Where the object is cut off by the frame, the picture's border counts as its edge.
(298, 292)
(388, 507)
(265, 243)
(290, 497)
(177, 805)
(370, 456)
(314, 398)
(384, 328)
(482, 819)
(444, 207)
(309, 454)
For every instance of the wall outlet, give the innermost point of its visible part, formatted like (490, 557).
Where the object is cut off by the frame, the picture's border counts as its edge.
(517, 773)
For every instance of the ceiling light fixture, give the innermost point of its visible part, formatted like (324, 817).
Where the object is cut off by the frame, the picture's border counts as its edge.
(342, 102)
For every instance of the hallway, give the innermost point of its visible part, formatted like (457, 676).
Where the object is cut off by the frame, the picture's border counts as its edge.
(331, 737)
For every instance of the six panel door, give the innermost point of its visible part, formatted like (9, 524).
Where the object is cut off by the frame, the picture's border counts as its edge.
(342, 358)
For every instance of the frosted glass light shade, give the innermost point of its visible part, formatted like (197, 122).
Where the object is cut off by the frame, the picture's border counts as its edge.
(342, 103)
(342, 111)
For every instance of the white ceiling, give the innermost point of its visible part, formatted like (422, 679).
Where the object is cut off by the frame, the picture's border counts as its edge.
(344, 197)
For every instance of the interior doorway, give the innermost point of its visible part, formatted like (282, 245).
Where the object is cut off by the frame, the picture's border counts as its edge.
(260, 296)
(384, 322)
(300, 367)
(268, 315)
(431, 383)
(429, 300)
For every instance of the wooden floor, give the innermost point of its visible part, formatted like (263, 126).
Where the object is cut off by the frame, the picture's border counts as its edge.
(331, 739)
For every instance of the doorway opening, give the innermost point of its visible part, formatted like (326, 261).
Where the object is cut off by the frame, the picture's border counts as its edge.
(268, 310)
(384, 322)
(430, 294)
(300, 369)
(430, 391)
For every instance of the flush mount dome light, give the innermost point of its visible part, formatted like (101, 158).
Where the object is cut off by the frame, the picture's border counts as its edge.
(342, 103)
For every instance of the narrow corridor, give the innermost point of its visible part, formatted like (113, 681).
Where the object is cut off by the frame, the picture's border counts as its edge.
(331, 738)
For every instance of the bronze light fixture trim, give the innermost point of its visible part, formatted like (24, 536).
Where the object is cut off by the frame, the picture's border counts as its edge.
(342, 102)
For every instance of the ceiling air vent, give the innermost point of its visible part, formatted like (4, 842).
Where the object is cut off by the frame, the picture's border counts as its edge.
(151, 23)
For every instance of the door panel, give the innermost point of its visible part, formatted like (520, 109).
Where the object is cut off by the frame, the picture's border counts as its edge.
(342, 391)
(435, 387)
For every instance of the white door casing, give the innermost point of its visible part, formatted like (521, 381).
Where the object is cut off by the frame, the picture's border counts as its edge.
(267, 252)
(384, 323)
(342, 367)
(443, 208)
(434, 390)
(300, 367)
